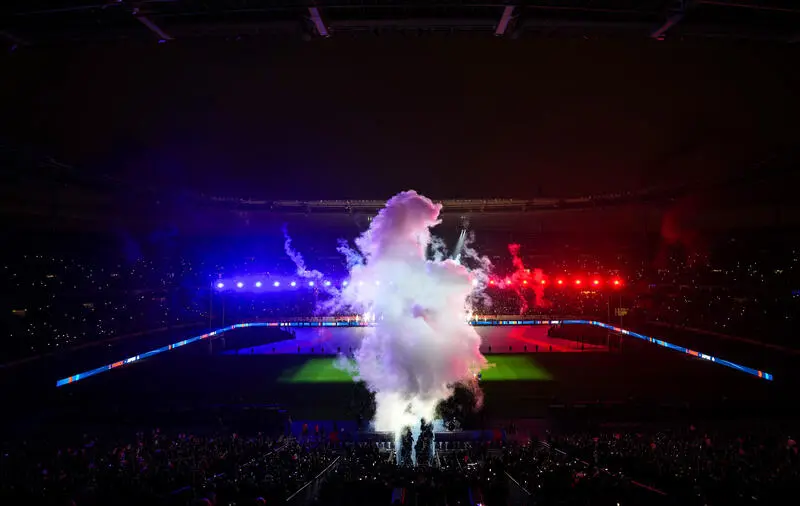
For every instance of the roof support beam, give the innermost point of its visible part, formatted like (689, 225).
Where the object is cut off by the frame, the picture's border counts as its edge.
(318, 23)
(162, 35)
(669, 23)
(676, 14)
(505, 19)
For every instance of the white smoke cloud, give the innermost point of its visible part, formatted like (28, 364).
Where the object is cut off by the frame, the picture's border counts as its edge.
(421, 344)
(352, 257)
(480, 268)
(297, 258)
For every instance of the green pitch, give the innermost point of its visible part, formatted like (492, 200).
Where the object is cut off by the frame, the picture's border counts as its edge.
(501, 368)
(515, 368)
(316, 370)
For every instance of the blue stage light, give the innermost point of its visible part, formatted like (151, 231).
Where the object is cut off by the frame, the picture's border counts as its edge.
(310, 283)
(258, 284)
(327, 283)
(293, 283)
(277, 283)
(239, 284)
(220, 285)
(344, 283)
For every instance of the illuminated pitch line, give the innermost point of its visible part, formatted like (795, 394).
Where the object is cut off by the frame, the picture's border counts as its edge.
(360, 323)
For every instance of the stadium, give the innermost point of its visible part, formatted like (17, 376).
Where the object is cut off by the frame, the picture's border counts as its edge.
(259, 354)
(360, 253)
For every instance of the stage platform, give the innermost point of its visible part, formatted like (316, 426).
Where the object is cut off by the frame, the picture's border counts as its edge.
(334, 340)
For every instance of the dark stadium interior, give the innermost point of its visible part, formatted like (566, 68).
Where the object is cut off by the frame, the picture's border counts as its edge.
(184, 171)
(49, 22)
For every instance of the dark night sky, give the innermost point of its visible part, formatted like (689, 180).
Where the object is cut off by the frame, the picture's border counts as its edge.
(366, 118)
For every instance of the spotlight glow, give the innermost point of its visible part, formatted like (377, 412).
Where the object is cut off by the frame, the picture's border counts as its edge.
(239, 284)
(258, 284)
(276, 284)
(310, 283)
(327, 283)
(293, 283)
(220, 285)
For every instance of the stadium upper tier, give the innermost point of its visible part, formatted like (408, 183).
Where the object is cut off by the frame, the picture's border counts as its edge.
(456, 205)
(451, 205)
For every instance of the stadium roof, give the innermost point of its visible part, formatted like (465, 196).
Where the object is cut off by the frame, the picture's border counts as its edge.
(50, 22)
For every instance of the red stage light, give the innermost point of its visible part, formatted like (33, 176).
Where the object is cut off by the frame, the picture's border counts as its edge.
(560, 282)
(524, 281)
(544, 282)
(491, 282)
(596, 282)
(617, 282)
(577, 281)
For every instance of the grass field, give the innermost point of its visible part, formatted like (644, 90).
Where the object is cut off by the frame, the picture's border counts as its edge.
(501, 368)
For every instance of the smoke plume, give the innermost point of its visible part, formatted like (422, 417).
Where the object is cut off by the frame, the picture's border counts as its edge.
(297, 258)
(421, 344)
(524, 281)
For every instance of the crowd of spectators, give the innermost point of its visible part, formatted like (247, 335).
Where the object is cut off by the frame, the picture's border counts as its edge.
(52, 301)
(74, 296)
(745, 286)
(55, 302)
(723, 466)
(153, 468)
(743, 291)
(686, 467)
